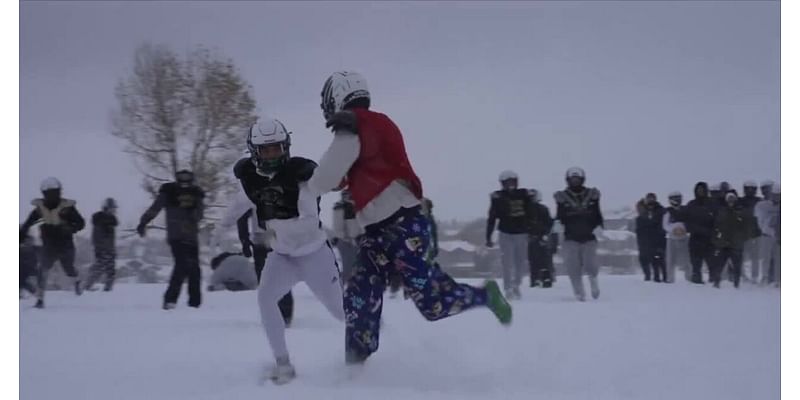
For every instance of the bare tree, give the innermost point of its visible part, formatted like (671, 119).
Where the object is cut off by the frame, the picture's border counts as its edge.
(189, 113)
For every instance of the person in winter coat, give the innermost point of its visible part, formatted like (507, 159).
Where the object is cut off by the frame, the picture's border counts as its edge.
(183, 201)
(104, 225)
(751, 246)
(368, 155)
(716, 194)
(768, 215)
(510, 205)
(28, 265)
(60, 221)
(731, 230)
(677, 238)
(578, 210)
(651, 238)
(699, 217)
(540, 255)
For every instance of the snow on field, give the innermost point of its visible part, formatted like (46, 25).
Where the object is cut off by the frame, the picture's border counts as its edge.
(641, 340)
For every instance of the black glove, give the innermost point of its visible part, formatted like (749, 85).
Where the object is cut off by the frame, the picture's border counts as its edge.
(141, 229)
(343, 120)
(247, 248)
(335, 241)
(489, 243)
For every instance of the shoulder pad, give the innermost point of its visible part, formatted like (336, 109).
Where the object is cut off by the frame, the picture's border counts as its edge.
(496, 194)
(239, 168)
(300, 162)
(560, 196)
(68, 202)
(594, 194)
(37, 202)
(302, 168)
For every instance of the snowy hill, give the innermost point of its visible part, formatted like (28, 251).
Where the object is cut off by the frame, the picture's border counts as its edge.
(639, 341)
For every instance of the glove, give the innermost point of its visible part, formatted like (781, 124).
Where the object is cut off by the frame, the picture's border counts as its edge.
(489, 243)
(247, 248)
(335, 241)
(141, 229)
(343, 120)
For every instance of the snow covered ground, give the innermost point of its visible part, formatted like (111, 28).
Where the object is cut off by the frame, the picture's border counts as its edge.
(641, 340)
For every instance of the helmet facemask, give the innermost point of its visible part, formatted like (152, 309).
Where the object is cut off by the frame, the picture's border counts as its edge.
(509, 184)
(52, 197)
(270, 156)
(184, 178)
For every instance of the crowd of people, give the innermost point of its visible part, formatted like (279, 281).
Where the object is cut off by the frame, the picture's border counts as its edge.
(384, 231)
(719, 228)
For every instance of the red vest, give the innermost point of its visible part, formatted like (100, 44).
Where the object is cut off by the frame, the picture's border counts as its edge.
(381, 161)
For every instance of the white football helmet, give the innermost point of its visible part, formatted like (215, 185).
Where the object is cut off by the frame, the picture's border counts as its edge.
(341, 88)
(576, 172)
(507, 174)
(50, 184)
(268, 132)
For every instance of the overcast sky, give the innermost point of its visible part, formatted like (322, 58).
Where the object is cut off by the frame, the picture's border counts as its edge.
(646, 96)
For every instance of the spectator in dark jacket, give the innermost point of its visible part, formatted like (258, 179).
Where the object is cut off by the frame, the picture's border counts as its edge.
(651, 238)
(699, 217)
(183, 201)
(732, 228)
(104, 225)
(60, 221)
